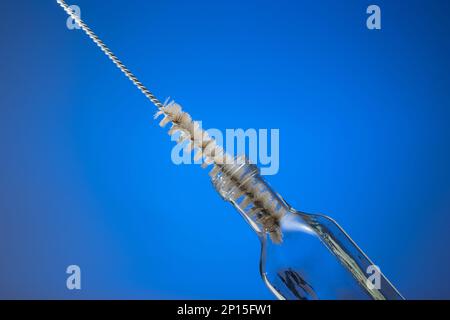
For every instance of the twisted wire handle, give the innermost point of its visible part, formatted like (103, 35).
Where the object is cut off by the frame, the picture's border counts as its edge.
(111, 55)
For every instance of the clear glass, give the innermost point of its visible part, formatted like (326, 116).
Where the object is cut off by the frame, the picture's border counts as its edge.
(303, 256)
(318, 260)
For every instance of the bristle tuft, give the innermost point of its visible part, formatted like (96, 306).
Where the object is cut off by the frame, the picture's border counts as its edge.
(254, 198)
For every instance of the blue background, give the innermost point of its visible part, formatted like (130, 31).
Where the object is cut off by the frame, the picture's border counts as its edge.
(86, 176)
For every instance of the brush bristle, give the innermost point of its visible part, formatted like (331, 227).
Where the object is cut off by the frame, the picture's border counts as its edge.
(230, 175)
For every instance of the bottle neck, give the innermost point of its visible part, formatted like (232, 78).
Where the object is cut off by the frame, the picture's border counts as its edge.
(242, 185)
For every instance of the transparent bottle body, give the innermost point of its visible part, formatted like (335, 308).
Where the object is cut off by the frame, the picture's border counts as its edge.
(314, 257)
(318, 260)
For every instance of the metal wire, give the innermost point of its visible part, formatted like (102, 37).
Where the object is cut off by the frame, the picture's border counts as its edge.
(110, 55)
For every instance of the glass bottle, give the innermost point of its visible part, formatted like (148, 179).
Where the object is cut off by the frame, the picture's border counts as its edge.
(303, 256)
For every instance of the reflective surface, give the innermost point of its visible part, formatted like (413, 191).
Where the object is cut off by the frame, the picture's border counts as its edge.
(318, 260)
(311, 256)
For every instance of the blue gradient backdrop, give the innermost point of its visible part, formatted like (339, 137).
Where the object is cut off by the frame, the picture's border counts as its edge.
(86, 176)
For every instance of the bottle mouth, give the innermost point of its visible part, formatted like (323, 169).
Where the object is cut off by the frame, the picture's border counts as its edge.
(241, 184)
(230, 178)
